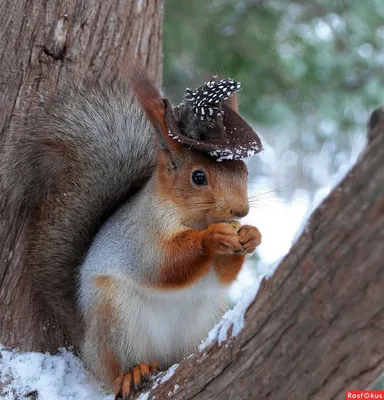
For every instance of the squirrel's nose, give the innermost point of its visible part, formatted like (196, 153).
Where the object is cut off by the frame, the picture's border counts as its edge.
(240, 211)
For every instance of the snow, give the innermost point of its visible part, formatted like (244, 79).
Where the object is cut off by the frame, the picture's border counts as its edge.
(63, 377)
(233, 318)
(238, 153)
(58, 377)
(169, 374)
(278, 223)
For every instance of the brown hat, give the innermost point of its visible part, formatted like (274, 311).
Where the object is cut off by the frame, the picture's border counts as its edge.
(206, 122)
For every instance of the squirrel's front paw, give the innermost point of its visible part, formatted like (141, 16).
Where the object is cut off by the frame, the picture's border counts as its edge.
(222, 238)
(126, 385)
(250, 238)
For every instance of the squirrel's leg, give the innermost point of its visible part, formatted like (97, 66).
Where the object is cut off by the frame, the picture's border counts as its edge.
(227, 267)
(97, 352)
(102, 351)
(126, 384)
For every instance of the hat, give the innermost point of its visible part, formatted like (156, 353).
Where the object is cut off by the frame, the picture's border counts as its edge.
(205, 121)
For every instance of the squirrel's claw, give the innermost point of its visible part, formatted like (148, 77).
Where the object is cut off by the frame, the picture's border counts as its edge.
(127, 384)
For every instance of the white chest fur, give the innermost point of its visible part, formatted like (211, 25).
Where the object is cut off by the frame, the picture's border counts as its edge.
(164, 326)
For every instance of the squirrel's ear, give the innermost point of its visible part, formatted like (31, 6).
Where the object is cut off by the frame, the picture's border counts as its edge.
(154, 106)
(232, 103)
(147, 95)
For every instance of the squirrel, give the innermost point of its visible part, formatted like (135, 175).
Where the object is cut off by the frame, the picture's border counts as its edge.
(134, 237)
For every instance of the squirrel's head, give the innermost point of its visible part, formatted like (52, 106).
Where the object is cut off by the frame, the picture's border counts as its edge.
(205, 191)
(200, 146)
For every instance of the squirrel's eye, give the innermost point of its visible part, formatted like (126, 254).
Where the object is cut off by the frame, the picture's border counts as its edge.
(198, 178)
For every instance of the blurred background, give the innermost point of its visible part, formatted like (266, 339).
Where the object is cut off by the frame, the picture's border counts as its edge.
(311, 73)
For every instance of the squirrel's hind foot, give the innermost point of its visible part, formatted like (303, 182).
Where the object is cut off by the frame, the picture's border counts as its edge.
(126, 385)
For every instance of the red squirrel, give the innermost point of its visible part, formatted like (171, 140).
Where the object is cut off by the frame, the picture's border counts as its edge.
(134, 239)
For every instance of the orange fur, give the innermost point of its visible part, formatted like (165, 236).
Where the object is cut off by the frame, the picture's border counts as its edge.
(191, 253)
(224, 199)
(127, 381)
(249, 237)
(186, 261)
(136, 373)
(150, 100)
(145, 369)
(106, 314)
(111, 364)
(227, 267)
(147, 94)
(118, 385)
(104, 282)
(126, 384)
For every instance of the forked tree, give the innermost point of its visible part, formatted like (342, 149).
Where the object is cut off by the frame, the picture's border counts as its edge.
(315, 327)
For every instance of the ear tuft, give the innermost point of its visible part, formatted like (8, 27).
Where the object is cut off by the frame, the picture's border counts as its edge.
(158, 110)
(147, 94)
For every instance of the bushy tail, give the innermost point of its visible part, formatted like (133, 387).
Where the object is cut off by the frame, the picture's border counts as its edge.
(84, 152)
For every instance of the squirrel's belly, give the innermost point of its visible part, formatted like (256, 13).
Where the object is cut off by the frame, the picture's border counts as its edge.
(166, 326)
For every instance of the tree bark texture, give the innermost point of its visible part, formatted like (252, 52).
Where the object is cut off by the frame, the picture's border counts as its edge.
(316, 327)
(41, 42)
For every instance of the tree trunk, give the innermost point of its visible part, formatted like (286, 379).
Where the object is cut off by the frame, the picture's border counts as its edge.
(316, 327)
(42, 42)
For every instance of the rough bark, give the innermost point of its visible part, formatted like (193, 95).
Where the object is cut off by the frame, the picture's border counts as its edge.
(41, 42)
(316, 327)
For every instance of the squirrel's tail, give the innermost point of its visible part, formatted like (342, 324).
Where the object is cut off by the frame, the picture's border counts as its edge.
(83, 153)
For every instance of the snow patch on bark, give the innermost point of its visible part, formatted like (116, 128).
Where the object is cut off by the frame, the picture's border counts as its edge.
(233, 318)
